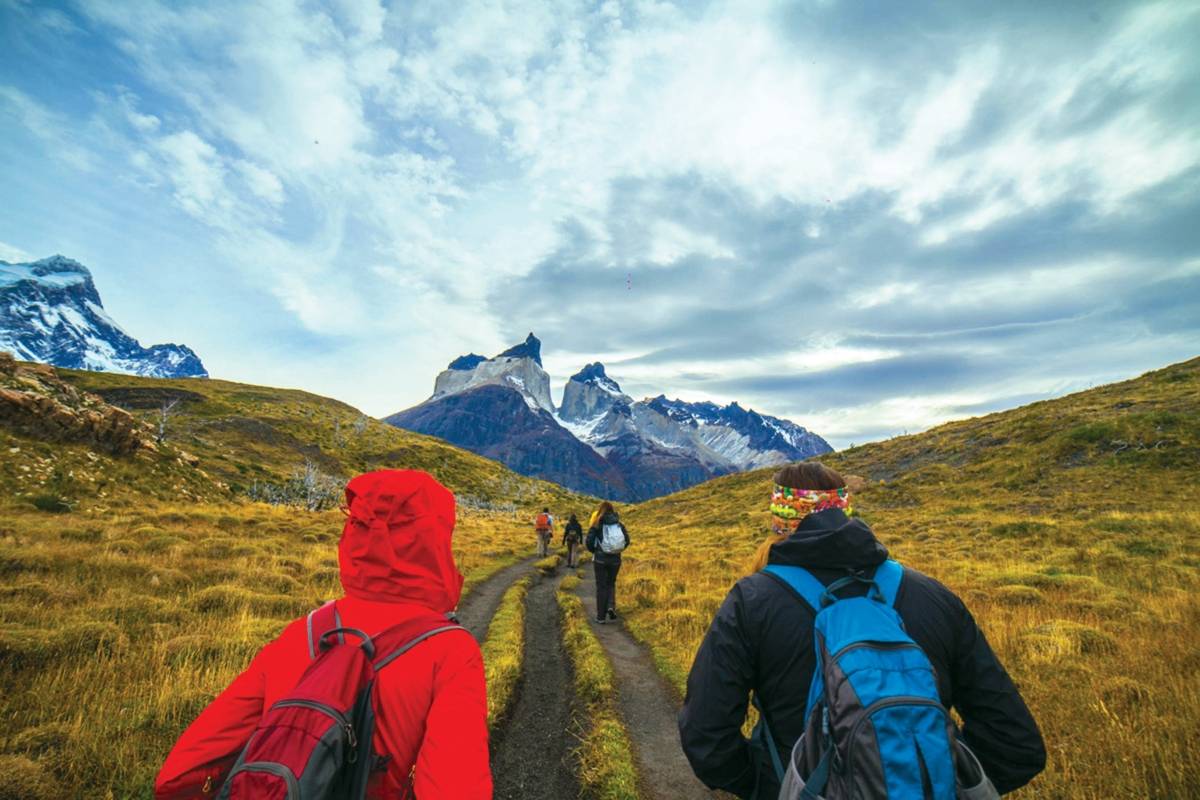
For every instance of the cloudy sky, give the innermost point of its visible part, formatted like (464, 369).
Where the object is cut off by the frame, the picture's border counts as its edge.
(866, 216)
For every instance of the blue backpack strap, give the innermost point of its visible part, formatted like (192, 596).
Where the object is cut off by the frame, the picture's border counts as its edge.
(801, 581)
(887, 578)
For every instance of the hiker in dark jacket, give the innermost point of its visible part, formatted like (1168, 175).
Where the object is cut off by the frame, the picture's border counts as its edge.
(761, 641)
(572, 538)
(606, 560)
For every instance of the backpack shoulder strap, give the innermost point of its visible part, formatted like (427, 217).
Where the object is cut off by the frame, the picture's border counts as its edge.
(802, 582)
(399, 639)
(887, 578)
(320, 622)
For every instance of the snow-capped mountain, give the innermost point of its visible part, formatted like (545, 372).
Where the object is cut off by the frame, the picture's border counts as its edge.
(743, 436)
(600, 440)
(501, 408)
(519, 368)
(50, 312)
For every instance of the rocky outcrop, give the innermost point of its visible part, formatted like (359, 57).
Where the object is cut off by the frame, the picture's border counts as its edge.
(35, 402)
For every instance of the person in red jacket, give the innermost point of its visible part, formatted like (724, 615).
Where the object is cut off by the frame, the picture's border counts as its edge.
(430, 704)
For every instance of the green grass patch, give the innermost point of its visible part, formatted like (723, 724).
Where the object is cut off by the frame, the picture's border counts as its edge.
(606, 765)
(504, 651)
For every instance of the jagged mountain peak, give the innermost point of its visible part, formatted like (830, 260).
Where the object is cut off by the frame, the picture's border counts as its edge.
(599, 436)
(595, 373)
(518, 368)
(530, 348)
(50, 312)
(590, 393)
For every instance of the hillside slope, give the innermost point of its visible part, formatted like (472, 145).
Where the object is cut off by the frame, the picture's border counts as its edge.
(242, 437)
(137, 579)
(1069, 526)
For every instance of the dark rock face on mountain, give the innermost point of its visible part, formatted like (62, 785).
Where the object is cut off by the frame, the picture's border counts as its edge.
(467, 363)
(50, 312)
(530, 348)
(600, 440)
(498, 422)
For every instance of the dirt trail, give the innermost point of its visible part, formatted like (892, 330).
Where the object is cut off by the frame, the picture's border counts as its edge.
(648, 707)
(532, 756)
(476, 610)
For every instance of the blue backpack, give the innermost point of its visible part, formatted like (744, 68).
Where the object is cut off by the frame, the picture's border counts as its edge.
(875, 726)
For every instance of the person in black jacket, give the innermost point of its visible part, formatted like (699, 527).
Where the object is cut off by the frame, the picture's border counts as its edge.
(572, 538)
(606, 564)
(761, 641)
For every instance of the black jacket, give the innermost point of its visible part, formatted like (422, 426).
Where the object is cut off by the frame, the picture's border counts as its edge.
(762, 641)
(593, 539)
(572, 532)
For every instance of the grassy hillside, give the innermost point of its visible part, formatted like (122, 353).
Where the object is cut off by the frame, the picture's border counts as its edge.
(246, 435)
(1071, 528)
(133, 587)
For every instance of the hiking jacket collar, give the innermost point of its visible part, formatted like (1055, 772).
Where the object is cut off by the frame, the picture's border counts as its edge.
(395, 547)
(830, 540)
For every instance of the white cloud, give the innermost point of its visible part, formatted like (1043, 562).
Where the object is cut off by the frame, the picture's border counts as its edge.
(197, 173)
(13, 255)
(380, 171)
(52, 129)
(263, 183)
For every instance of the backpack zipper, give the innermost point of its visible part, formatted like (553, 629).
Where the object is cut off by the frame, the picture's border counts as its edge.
(877, 706)
(875, 645)
(328, 711)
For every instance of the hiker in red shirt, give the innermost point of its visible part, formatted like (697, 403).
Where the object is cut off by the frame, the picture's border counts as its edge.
(430, 705)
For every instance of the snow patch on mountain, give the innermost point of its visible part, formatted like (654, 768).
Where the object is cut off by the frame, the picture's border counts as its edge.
(651, 446)
(50, 312)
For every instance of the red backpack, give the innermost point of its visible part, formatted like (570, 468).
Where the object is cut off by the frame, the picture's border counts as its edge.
(315, 743)
(543, 522)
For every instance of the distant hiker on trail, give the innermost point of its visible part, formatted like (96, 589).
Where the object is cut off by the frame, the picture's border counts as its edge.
(543, 523)
(893, 650)
(606, 539)
(572, 539)
(313, 684)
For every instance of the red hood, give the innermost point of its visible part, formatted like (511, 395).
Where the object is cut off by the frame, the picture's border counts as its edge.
(396, 543)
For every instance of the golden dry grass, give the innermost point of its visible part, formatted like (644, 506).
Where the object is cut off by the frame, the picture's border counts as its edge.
(121, 618)
(116, 629)
(1073, 538)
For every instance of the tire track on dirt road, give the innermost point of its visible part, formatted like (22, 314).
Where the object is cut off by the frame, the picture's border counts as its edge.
(648, 707)
(476, 610)
(532, 758)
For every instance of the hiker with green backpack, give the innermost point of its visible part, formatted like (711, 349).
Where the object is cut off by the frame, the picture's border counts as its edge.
(853, 662)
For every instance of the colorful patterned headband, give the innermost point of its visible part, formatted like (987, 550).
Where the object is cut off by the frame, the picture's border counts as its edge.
(794, 504)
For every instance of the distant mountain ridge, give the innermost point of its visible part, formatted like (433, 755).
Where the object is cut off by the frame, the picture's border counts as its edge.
(600, 440)
(50, 312)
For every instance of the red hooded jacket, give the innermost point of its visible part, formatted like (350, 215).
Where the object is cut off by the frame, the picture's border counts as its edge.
(430, 704)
